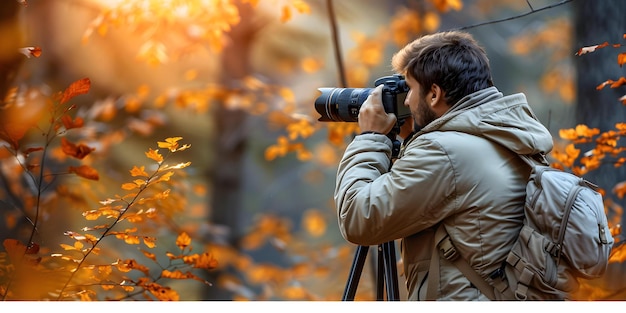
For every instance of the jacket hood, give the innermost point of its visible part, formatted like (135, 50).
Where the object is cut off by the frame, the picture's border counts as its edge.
(507, 120)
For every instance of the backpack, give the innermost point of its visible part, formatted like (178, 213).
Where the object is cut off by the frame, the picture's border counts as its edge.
(564, 237)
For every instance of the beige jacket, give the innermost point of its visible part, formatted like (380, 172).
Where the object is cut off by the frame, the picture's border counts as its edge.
(459, 170)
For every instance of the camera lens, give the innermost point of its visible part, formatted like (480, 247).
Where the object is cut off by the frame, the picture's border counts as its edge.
(340, 104)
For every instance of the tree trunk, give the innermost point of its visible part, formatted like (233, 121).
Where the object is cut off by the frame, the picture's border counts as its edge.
(12, 40)
(595, 23)
(230, 145)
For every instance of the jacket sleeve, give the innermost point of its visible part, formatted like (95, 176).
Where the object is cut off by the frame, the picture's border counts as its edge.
(377, 203)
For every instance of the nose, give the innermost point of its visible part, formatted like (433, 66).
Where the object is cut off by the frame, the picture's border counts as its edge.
(406, 99)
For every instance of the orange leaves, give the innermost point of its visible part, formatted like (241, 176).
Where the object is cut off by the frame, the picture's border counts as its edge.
(268, 228)
(154, 155)
(180, 275)
(172, 144)
(183, 241)
(297, 127)
(314, 223)
(406, 23)
(593, 48)
(70, 123)
(447, 5)
(202, 261)
(15, 249)
(606, 144)
(299, 5)
(78, 87)
(77, 151)
(613, 83)
(137, 183)
(85, 171)
(200, 25)
(138, 171)
(582, 133)
(620, 190)
(369, 51)
(621, 60)
(30, 51)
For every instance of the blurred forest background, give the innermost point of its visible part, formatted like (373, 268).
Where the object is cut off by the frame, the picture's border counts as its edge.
(237, 81)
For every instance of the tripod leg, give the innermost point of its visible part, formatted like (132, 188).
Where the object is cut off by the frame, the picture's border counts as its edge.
(391, 271)
(355, 273)
(380, 277)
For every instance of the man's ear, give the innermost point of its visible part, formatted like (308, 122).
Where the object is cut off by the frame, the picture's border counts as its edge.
(437, 99)
(436, 94)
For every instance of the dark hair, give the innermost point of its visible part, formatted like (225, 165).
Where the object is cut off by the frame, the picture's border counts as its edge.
(453, 60)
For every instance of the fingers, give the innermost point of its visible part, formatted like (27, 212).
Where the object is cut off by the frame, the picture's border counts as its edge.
(372, 115)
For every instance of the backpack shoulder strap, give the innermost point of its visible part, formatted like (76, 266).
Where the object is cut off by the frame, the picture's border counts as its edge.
(444, 245)
(534, 160)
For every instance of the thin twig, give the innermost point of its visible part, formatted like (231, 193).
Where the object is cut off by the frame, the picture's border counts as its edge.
(532, 11)
(335, 33)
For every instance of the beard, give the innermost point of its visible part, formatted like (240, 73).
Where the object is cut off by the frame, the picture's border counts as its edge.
(424, 115)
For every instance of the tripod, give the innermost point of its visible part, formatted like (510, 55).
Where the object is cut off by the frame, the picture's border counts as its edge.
(387, 274)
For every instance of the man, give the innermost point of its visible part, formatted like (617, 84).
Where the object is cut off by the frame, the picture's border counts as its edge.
(460, 168)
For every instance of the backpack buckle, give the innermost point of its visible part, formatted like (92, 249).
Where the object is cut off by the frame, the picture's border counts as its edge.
(447, 249)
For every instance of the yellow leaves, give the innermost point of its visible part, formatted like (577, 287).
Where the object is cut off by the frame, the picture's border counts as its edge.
(170, 143)
(107, 211)
(311, 65)
(180, 275)
(197, 25)
(78, 246)
(204, 260)
(138, 171)
(406, 24)
(369, 51)
(582, 133)
(447, 5)
(268, 228)
(137, 183)
(297, 127)
(560, 82)
(569, 157)
(183, 241)
(154, 155)
(314, 223)
(283, 146)
(302, 128)
(299, 5)
(337, 132)
(618, 254)
(163, 293)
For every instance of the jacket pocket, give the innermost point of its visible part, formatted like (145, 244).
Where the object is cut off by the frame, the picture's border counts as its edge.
(416, 254)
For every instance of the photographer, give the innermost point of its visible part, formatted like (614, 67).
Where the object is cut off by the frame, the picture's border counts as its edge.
(458, 168)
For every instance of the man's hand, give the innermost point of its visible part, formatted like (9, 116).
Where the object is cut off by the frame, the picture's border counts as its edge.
(372, 115)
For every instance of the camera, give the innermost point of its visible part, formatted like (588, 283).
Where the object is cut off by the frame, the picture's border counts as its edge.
(343, 104)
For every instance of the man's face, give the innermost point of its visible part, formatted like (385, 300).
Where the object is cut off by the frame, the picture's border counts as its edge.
(417, 102)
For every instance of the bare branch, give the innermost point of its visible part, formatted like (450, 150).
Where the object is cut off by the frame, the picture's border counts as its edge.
(517, 16)
(338, 58)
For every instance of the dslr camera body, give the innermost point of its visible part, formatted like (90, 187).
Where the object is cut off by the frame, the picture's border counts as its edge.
(343, 104)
